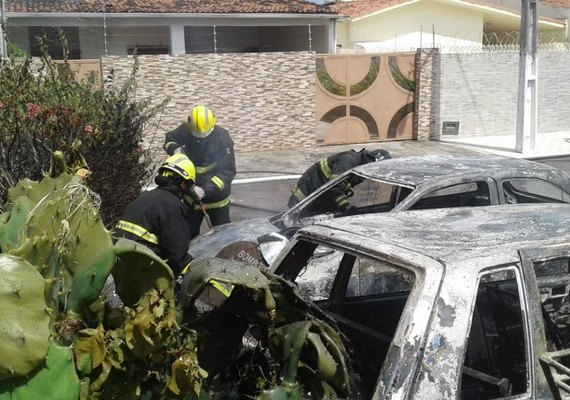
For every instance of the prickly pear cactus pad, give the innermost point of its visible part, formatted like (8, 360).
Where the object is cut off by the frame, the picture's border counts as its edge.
(36, 191)
(138, 271)
(24, 321)
(57, 380)
(12, 221)
(65, 239)
(21, 200)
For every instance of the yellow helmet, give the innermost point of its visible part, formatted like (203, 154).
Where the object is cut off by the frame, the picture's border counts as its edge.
(180, 165)
(201, 122)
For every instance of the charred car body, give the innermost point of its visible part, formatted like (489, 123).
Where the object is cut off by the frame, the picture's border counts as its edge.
(407, 183)
(467, 303)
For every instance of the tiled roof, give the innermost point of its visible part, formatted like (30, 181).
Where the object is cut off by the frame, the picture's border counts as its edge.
(556, 3)
(359, 8)
(168, 6)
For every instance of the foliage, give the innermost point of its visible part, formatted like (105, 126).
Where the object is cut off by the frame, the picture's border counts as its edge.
(60, 340)
(46, 109)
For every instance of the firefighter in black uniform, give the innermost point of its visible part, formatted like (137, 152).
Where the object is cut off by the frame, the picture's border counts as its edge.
(158, 217)
(329, 168)
(211, 149)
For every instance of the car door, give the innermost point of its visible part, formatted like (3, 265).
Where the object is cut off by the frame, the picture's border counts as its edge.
(376, 303)
(547, 271)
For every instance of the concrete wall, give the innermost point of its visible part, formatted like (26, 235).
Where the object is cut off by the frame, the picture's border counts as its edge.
(480, 91)
(265, 100)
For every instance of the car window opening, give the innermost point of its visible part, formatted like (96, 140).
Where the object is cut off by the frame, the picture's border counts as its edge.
(471, 194)
(495, 364)
(527, 190)
(356, 195)
(553, 279)
(365, 297)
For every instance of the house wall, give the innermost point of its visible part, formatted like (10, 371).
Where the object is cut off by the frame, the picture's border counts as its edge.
(265, 100)
(412, 26)
(480, 91)
(544, 10)
(155, 29)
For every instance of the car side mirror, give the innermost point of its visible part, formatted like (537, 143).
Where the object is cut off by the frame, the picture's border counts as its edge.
(271, 245)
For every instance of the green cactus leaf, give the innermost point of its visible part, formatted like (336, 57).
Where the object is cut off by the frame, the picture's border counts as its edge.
(12, 221)
(24, 321)
(36, 191)
(65, 238)
(138, 270)
(56, 380)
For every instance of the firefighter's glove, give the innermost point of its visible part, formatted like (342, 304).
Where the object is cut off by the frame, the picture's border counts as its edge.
(178, 150)
(199, 192)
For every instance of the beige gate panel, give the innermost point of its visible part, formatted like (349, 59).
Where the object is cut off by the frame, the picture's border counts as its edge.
(371, 99)
(83, 69)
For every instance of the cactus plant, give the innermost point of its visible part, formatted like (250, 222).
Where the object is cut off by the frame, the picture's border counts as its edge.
(24, 321)
(56, 380)
(65, 238)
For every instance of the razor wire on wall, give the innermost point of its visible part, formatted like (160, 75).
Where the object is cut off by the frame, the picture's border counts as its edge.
(462, 42)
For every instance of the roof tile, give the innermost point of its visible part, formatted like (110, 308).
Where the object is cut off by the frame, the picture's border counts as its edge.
(359, 8)
(168, 6)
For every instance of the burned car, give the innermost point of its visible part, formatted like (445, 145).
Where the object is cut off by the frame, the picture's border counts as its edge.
(407, 183)
(467, 303)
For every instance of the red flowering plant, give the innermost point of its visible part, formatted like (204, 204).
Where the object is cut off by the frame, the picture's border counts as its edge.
(44, 108)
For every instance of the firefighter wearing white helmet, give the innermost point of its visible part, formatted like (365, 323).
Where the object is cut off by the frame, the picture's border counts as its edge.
(211, 149)
(157, 218)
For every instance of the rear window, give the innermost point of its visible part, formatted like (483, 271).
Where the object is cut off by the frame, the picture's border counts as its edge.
(530, 190)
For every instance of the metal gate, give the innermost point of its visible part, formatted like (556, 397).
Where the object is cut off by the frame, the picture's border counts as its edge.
(365, 97)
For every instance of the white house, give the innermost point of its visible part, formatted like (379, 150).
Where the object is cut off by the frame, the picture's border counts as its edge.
(116, 27)
(451, 25)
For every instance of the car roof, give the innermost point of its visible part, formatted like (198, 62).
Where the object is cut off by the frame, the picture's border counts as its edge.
(456, 234)
(416, 170)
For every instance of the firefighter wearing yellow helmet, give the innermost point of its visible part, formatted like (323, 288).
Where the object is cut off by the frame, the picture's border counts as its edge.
(157, 218)
(211, 149)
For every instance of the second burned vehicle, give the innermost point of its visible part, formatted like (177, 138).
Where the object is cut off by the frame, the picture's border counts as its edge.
(467, 303)
(398, 184)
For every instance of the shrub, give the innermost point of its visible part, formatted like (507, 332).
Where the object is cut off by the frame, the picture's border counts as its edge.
(46, 109)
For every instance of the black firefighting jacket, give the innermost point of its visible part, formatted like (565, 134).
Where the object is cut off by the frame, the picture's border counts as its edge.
(325, 170)
(213, 158)
(157, 219)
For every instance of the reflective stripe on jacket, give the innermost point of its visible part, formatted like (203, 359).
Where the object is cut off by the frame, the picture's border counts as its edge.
(158, 219)
(213, 158)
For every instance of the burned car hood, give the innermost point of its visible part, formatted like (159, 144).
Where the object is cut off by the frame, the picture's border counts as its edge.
(215, 240)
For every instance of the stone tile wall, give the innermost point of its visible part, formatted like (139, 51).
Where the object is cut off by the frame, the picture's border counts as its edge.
(426, 95)
(480, 91)
(265, 100)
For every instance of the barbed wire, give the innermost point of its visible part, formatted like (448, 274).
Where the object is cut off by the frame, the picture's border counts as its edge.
(463, 43)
